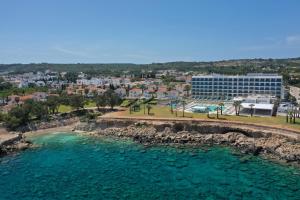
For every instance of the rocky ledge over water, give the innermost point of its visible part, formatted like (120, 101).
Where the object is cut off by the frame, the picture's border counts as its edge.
(252, 140)
(13, 143)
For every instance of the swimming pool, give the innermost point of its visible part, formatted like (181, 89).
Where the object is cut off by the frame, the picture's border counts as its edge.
(203, 108)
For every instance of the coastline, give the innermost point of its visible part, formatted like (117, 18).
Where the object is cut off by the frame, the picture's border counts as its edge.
(258, 141)
(248, 139)
(68, 128)
(13, 142)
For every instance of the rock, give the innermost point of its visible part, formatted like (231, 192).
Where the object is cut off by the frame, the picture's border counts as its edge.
(247, 140)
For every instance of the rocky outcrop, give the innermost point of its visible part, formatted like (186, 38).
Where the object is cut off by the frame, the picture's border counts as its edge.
(14, 144)
(247, 140)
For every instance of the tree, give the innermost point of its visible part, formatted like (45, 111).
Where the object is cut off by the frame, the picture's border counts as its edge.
(171, 107)
(149, 107)
(218, 108)
(71, 77)
(100, 101)
(76, 101)
(53, 103)
(86, 92)
(16, 117)
(143, 87)
(112, 98)
(183, 107)
(221, 105)
(294, 115)
(251, 109)
(4, 85)
(237, 106)
(40, 110)
(187, 89)
(144, 104)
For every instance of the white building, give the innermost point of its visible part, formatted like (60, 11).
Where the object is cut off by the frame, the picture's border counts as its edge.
(135, 93)
(259, 105)
(224, 87)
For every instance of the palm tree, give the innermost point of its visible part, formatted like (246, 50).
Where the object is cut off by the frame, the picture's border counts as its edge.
(149, 107)
(218, 112)
(144, 103)
(237, 106)
(251, 109)
(291, 115)
(143, 87)
(176, 102)
(221, 107)
(187, 89)
(183, 107)
(171, 107)
(294, 115)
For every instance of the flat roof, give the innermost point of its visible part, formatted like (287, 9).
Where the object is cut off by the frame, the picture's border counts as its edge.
(239, 76)
(261, 106)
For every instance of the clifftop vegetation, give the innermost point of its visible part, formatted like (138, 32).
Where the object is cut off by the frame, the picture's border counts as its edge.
(289, 68)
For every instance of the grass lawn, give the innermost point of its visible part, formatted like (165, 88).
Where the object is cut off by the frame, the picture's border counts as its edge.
(64, 108)
(90, 104)
(164, 111)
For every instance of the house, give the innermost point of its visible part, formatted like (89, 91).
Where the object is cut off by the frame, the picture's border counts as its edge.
(135, 93)
(149, 93)
(40, 96)
(162, 93)
(40, 83)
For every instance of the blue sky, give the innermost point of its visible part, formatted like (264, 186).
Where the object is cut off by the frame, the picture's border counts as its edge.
(146, 31)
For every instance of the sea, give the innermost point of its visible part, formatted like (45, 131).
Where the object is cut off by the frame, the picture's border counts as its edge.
(72, 166)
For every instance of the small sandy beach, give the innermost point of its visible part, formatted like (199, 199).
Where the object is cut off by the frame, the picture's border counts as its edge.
(67, 128)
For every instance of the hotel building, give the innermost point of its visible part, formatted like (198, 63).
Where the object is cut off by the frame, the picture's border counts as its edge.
(217, 87)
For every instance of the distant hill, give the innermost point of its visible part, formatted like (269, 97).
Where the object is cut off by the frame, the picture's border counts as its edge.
(240, 66)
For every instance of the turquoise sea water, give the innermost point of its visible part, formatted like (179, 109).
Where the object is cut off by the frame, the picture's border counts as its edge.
(68, 166)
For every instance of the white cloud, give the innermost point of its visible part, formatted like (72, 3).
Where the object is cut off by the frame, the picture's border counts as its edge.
(293, 40)
(69, 51)
(271, 43)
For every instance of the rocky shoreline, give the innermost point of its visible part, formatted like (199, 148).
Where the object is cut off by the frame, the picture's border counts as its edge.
(249, 141)
(16, 143)
(257, 140)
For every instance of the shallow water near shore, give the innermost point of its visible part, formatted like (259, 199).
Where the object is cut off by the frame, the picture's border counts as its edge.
(70, 166)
